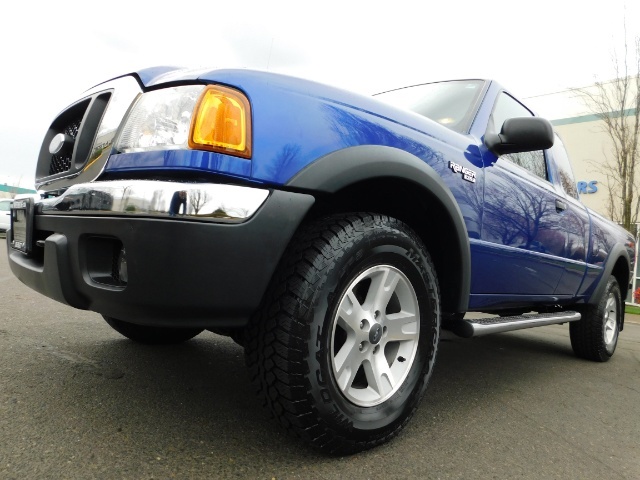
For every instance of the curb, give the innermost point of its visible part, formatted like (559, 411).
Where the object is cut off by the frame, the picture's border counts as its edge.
(632, 318)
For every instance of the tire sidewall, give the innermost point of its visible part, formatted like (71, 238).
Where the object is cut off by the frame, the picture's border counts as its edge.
(374, 247)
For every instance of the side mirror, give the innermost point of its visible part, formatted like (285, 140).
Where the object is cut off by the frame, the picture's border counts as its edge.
(521, 134)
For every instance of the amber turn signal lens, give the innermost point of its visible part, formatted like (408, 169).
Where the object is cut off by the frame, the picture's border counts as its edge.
(222, 122)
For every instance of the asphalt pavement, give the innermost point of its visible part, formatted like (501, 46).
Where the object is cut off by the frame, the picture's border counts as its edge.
(78, 401)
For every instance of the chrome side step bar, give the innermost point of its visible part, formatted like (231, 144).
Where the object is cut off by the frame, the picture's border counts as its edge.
(468, 328)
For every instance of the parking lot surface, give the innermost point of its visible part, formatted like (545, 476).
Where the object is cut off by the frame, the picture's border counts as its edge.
(77, 400)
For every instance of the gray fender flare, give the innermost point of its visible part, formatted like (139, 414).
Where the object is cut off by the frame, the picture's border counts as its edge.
(337, 170)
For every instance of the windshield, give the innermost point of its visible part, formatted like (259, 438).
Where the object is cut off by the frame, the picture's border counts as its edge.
(448, 103)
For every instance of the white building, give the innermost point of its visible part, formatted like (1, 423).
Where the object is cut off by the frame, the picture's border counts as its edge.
(586, 140)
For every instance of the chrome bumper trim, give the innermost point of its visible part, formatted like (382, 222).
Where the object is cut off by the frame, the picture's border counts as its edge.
(212, 202)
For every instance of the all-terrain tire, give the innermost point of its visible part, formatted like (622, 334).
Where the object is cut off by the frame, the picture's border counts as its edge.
(595, 336)
(320, 313)
(152, 335)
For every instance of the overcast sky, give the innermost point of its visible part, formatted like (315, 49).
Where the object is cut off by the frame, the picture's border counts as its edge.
(53, 51)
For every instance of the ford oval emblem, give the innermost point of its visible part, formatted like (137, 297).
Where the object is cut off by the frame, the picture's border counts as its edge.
(57, 143)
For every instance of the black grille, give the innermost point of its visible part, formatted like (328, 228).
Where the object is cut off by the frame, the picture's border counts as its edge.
(76, 129)
(62, 163)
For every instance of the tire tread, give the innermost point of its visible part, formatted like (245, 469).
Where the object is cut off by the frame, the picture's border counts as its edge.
(274, 335)
(587, 334)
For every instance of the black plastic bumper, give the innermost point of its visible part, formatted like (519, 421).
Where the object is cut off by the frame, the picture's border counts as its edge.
(180, 273)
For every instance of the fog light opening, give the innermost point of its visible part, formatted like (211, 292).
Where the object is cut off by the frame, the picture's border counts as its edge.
(119, 272)
(123, 274)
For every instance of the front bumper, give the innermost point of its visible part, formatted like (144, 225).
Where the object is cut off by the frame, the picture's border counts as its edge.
(204, 268)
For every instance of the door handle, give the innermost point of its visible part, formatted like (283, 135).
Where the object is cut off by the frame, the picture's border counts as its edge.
(560, 206)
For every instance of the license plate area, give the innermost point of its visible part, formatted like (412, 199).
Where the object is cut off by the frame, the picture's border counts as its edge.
(22, 225)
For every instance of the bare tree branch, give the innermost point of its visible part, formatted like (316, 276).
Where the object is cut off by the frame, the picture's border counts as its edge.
(617, 104)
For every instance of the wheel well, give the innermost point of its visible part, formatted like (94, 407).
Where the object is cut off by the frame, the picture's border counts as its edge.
(621, 272)
(416, 207)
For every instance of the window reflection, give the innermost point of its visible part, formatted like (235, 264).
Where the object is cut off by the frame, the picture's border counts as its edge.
(563, 164)
(532, 161)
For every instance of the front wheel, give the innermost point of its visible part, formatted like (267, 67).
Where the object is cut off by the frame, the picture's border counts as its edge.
(595, 336)
(152, 335)
(346, 344)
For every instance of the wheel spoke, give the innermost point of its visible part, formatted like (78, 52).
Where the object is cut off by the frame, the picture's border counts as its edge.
(350, 312)
(362, 330)
(401, 326)
(610, 319)
(383, 284)
(347, 362)
(379, 375)
(609, 327)
(611, 305)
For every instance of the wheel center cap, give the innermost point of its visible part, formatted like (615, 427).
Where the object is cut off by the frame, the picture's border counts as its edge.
(375, 334)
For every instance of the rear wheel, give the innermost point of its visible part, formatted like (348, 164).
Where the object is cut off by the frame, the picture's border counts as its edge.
(344, 348)
(152, 335)
(595, 336)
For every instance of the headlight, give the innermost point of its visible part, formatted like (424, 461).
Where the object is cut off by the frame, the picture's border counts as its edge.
(201, 117)
(160, 120)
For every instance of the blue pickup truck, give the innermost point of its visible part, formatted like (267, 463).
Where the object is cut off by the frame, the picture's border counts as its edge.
(332, 235)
